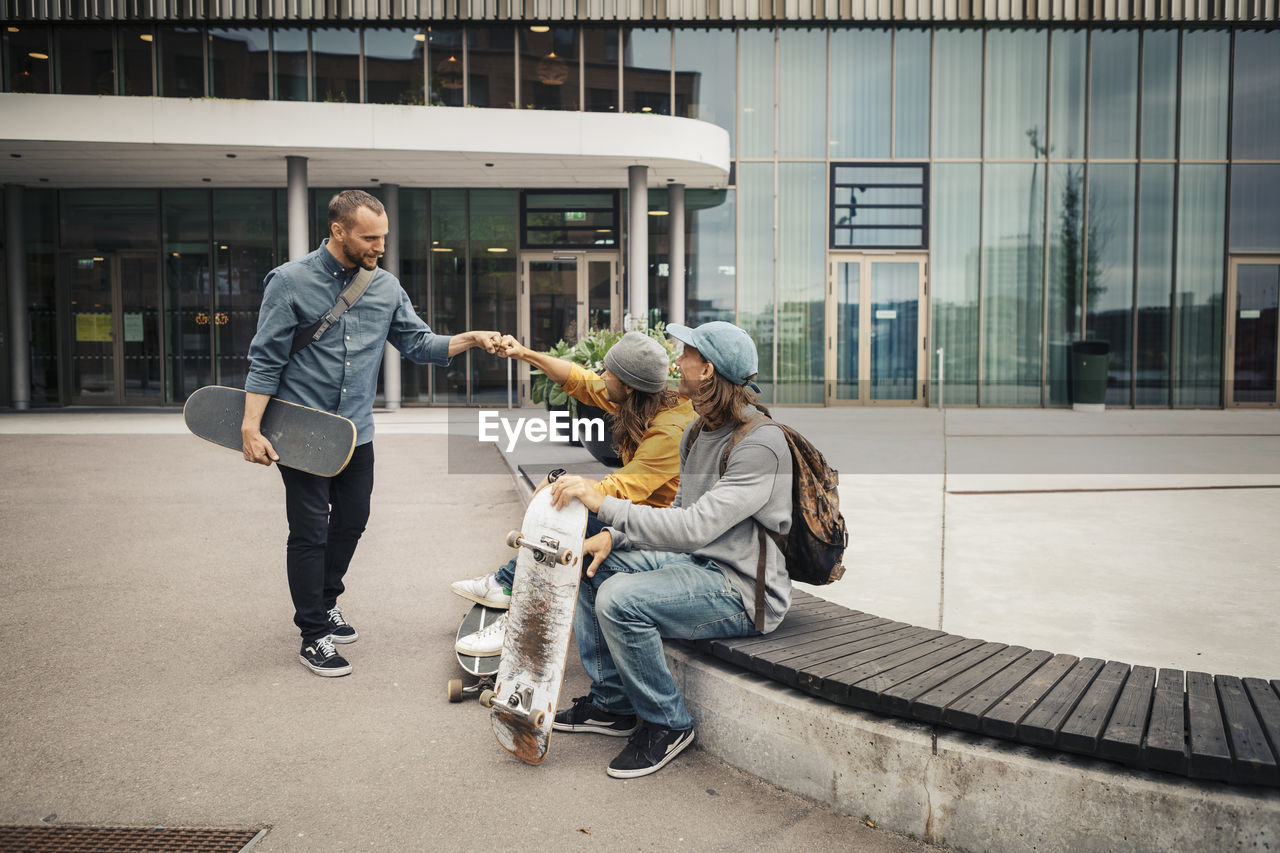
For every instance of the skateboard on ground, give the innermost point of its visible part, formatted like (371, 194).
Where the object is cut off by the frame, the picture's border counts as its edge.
(483, 668)
(539, 623)
(304, 438)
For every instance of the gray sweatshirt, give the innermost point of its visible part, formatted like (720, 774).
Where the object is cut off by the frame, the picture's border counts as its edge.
(712, 515)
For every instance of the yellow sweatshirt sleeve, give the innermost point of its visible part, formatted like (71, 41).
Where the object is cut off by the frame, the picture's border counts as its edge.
(586, 387)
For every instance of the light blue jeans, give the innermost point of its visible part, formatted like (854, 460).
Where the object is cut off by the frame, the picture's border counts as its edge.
(635, 600)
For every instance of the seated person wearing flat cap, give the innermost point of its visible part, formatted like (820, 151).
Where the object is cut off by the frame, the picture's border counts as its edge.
(685, 571)
(648, 422)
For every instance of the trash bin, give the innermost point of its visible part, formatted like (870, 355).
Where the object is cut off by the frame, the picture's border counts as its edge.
(1090, 363)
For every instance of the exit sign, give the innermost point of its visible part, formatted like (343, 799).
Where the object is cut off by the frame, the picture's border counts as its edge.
(575, 216)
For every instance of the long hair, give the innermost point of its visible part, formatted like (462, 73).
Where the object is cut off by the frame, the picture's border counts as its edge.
(636, 413)
(721, 402)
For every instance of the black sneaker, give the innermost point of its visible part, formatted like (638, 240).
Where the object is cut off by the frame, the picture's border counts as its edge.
(321, 658)
(339, 630)
(584, 716)
(649, 750)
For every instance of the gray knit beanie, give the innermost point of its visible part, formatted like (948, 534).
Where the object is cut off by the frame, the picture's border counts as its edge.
(639, 361)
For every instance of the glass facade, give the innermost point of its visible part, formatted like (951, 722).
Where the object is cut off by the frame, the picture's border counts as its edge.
(1075, 183)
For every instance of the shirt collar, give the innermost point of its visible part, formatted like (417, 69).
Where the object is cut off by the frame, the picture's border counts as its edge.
(331, 264)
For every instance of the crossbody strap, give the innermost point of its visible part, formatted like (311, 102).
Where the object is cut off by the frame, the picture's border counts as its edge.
(347, 298)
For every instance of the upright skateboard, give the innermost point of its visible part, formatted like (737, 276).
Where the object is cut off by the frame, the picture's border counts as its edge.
(539, 623)
(485, 668)
(304, 438)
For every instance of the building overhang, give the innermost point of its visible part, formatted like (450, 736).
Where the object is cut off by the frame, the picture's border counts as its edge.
(87, 141)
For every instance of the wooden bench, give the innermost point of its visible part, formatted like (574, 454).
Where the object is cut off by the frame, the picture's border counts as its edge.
(1190, 723)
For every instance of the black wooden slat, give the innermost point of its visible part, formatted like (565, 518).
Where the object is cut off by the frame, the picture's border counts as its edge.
(1252, 759)
(809, 620)
(1266, 701)
(1042, 725)
(808, 671)
(932, 706)
(1122, 740)
(1166, 743)
(828, 679)
(868, 697)
(829, 643)
(900, 697)
(746, 653)
(1002, 719)
(1210, 755)
(1087, 723)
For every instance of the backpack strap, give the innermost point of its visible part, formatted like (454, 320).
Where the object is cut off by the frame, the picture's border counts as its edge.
(347, 298)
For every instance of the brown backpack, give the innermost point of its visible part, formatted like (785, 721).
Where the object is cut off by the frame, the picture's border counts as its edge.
(814, 546)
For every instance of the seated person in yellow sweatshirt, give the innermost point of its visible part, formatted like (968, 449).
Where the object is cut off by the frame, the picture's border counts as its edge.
(649, 420)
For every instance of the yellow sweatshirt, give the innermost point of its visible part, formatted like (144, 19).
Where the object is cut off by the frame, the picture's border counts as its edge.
(651, 475)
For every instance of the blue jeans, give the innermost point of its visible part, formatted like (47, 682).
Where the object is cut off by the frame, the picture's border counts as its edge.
(635, 600)
(507, 574)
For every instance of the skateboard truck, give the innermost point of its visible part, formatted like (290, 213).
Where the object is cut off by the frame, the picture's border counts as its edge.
(545, 551)
(515, 705)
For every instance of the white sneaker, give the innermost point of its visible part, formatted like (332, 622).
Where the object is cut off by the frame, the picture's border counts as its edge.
(483, 590)
(486, 642)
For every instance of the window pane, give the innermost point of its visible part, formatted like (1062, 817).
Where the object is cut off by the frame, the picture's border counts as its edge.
(1110, 271)
(1255, 208)
(1013, 276)
(29, 66)
(109, 219)
(444, 58)
(1066, 275)
(755, 61)
(710, 277)
(954, 237)
(137, 60)
(181, 62)
(291, 64)
(337, 61)
(187, 230)
(957, 100)
(1113, 94)
(243, 255)
(1070, 55)
(1205, 62)
(646, 71)
(1197, 366)
(1255, 129)
(705, 86)
(86, 61)
(1015, 111)
(1155, 276)
(494, 253)
(659, 208)
(802, 118)
(1159, 92)
(911, 94)
(600, 56)
(492, 69)
(393, 65)
(415, 276)
(549, 69)
(860, 82)
(238, 64)
(449, 285)
(801, 282)
(755, 264)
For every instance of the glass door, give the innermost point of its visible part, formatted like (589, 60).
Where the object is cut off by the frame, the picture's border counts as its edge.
(1252, 340)
(115, 339)
(877, 330)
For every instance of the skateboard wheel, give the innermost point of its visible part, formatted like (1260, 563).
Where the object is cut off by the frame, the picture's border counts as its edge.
(486, 698)
(455, 689)
(539, 717)
(564, 556)
(513, 539)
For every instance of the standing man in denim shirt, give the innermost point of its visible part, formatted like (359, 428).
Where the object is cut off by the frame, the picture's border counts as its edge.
(338, 374)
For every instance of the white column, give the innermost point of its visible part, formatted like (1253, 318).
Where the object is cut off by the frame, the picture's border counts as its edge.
(299, 239)
(676, 261)
(391, 395)
(16, 262)
(638, 245)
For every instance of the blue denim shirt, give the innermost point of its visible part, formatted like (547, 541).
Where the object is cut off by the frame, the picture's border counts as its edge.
(339, 372)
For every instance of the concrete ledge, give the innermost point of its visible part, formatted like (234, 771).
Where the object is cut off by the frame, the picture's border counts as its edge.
(963, 791)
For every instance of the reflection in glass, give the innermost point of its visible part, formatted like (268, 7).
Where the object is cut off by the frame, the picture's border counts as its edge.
(600, 287)
(1066, 105)
(494, 253)
(1257, 299)
(186, 272)
(93, 327)
(1015, 111)
(1155, 277)
(704, 70)
(957, 187)
(40, 218)
(449, 286)
(894, 324)
(802, 120)
(491, 67)
(710, 276)
(336, 54)
(1255, 208)
(957, 87)
(1197, 361)
(137, 60)
(801, 282)
(181, 62)
(1255, 120)
(756, 76)
(1159, 92)
(1206, 60)
(860, 83)
(911, 94)
(600, 68)
(238, 63)
(755, 264)
(1012, 286)
(393, 65)
(1066, 275)
(28, 55)
(659, 207)
(290, 45)
(243, 254)
(553, 304)
(646, 71)
(140, 345)
(848, 298)
(549, 69)
(444, 66)
(1109, 271)
(109, 219)
(1113, 94)
(415, 275)
(86, 61)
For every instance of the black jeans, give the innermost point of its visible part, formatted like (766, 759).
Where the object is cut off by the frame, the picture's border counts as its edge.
(326, 517)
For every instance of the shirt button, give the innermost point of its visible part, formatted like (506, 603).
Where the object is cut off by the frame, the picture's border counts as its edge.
(348, 337)
(344, 390)
(348, 364)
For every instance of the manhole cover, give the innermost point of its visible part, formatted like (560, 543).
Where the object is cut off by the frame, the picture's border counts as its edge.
(118, 839)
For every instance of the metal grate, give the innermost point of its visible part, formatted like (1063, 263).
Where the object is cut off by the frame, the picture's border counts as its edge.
(134, 839)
